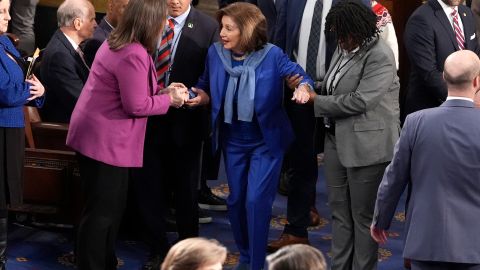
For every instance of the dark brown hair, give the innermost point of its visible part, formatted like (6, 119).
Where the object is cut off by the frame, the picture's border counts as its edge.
(250, 21)
(142, 21)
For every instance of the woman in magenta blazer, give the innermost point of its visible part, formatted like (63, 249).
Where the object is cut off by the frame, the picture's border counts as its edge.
(107, 127)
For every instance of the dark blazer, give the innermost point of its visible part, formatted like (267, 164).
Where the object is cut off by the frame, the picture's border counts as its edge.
(63, 74)
(270, 12)
(438, 153)
(429, 40)
(287, 27)
(99, 36)
(200, 31)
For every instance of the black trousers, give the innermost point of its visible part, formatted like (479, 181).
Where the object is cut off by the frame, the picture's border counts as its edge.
(12, 153)
(301, 164)
(170, 177)
(106, 189)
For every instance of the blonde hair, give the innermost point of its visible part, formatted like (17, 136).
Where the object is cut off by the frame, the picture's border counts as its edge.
(193, 253)
(297, 257)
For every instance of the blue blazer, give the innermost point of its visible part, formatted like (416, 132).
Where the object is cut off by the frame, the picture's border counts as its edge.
(269, 110)
(429, 39)
(14, 91)
(438, 153)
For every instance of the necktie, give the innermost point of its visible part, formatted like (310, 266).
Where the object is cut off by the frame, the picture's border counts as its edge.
(314, 40)
(458, 32)
(82, 56)
(162, 63)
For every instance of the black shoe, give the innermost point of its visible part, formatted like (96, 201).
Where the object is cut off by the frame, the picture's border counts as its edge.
(209, 201)
(203, 217)
(154, 262)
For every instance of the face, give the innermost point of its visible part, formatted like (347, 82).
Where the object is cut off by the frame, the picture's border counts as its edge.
(115, 10)
(453, 2)
(177, 7)
(217, 266)
(348, 44)
(4, 15)
(87, 25)
(230, 35)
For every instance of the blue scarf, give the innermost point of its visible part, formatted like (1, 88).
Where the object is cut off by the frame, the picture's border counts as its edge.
(243, 79)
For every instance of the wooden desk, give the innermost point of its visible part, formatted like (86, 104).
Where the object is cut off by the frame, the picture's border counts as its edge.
(100, 5)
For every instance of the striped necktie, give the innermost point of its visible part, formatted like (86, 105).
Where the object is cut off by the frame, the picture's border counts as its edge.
(458, 31)
(314, 40)
(162, 62)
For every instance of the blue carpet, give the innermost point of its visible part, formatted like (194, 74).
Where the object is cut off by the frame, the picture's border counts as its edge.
(33, 248)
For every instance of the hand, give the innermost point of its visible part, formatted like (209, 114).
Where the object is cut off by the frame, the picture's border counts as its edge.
(176, 85)
(379, 235)
(36, 88)
(201, 99)
(178, 96)
(293, 81)
(302, 94)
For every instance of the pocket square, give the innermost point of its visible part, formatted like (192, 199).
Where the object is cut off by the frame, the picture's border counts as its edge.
(473, 36)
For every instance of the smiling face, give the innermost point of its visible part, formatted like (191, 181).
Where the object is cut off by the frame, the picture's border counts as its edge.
(177, 7)
(230, 35)
(4, 15)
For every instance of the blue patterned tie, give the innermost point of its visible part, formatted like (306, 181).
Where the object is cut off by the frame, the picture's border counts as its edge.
(314, 40)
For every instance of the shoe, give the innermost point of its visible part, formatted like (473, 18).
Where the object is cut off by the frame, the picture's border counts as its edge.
(285, 240)
(209, 201)
(203, 217)
(314, 217)
(153, 262)
(407, 263)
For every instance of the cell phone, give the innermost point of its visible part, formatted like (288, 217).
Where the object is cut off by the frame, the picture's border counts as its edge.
(191, 94)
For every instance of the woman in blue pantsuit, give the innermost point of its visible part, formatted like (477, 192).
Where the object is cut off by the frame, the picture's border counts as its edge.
(244, 76)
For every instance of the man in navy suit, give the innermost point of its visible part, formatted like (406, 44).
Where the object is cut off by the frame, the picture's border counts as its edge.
(439, 154)
(292, 33)
(115, 10)
(429, 39)
(63, 70)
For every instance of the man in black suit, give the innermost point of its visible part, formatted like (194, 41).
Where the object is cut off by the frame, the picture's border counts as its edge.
(63, 70)
(115, 10)
(429, 39)
(173, 143)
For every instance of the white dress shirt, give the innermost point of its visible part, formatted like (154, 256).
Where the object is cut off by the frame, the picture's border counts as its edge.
(448, 11)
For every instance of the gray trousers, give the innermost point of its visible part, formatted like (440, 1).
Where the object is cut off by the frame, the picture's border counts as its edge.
(351, 197)
(23, 19)
(424, 265)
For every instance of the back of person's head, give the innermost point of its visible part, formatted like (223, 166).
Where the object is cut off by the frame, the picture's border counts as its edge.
(251, 22)
(142, 22)
(297, 257)
(70, 10)
(194, 254)
(461, 71)
(115, 9)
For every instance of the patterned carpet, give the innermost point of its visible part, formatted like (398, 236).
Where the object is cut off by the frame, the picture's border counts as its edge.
(33, 248)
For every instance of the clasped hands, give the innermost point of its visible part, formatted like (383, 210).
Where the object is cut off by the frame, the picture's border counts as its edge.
(302, 93)
(178, 93)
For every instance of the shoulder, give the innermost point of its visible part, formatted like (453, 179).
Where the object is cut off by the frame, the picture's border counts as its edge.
(133, 53)
(206, 22)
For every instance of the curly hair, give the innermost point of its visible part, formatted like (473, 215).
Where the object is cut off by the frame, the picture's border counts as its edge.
(350, 20)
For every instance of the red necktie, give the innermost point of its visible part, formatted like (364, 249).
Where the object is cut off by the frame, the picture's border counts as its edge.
(162, 63)
(458, 32)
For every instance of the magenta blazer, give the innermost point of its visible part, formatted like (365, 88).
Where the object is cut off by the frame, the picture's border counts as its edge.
(109, 120)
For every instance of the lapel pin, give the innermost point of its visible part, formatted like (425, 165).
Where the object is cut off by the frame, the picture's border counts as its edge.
(190, 25)
(464, 14)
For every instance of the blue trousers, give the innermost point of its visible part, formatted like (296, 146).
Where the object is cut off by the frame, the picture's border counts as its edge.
(252, 178)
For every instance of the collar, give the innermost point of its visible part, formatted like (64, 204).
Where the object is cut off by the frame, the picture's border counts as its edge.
(460, 98)
(74, 44)
(105, 19)
(354, 51)
(446, 8)
(181, 19)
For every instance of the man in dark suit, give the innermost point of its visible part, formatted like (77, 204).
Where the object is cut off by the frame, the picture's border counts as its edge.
(63, 70)
(293, 32)
(429, 39)
(173, 143)
(115, 10)
(439, 154)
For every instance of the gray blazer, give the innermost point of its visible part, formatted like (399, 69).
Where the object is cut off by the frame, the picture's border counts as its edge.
(364, 105)
(439, 153)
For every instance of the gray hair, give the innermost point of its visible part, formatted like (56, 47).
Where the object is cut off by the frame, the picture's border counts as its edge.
(69, 10)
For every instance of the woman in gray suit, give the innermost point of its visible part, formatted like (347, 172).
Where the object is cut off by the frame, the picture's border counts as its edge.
(359, 105)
